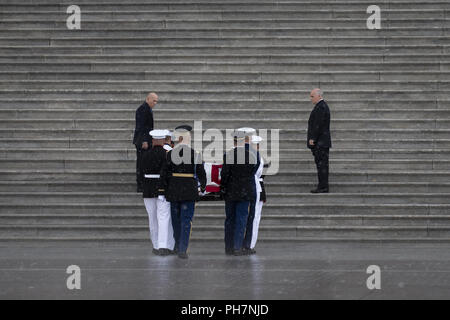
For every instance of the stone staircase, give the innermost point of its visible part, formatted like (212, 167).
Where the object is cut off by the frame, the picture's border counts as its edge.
(68, 97)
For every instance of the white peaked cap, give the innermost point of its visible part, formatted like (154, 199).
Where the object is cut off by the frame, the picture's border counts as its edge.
(248, 131)
(158, 134)
(257, 139)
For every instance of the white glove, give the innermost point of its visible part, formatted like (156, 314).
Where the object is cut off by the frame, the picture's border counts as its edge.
(162, 198)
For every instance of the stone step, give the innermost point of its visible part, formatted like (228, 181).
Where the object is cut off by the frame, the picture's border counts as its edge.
(289, 123)
(216, 220)
(339, 49)
(283, 175)
(226, 86)
(94, 104)
(211, 5)
(217, 33)
(335, 164)
(218, 58)
(285, 134)
(137, 208)
(248, 95)
(358, 23)
(285, 154)
(239, 28)
(230, 41)
(235, 66)
(232, 14)
(280, 198)
(284, 143)
(272, 184)
(140, 232)
(55, 241)
(275, 114)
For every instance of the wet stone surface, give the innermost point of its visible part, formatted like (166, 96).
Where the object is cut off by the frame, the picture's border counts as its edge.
(278, 271)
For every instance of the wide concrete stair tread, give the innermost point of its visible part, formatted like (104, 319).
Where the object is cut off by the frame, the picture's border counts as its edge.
(401, 23)
(325, 220)
(296, 134)
(361, 44)
(186, 58)
(124, 142)
(156, 66)
(350, 75)
(285, 165)
(287, 197)
(434, 155)
(179, 41)
(234, 114)
(206, 232)
(288, 175)
(227, 123)
(113, 104)
(206, 209)
(191, 31)
(271, 184)
(96, 240)
(212, 49)
(44, 85)
(232, 13)
(215, 4)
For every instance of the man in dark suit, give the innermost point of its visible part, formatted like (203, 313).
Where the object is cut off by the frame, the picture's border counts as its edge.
(319, 138)
(142, 139)
(238, 189)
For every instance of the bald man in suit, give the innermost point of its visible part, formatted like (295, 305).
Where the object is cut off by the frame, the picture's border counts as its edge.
(319, 138)
(142, 139)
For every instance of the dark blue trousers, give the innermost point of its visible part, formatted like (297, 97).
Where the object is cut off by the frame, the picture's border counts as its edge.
(182, 214)
(229, 226)
(235, 223)
(249, 229)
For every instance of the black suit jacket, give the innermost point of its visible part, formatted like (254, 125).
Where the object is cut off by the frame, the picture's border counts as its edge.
(319, 126)
(238, 179)
(183, 188)
(152, 163)
(144, 124)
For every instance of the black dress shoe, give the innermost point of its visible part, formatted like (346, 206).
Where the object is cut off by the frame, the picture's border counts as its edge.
(325, 190)
(249, 251)
(183, 255)
(238, 253)
(164, 252)
(229, 252)
(156, 252)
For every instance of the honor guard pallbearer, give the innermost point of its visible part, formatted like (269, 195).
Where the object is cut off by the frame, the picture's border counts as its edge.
(238, 189)
(254, 217)
(249, 135)
(158, 208)
(183, 178)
